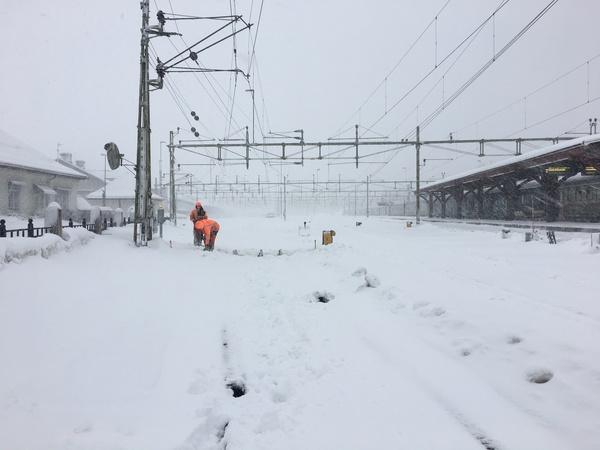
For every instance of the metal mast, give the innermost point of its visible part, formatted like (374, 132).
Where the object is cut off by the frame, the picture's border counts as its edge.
(142, 231)
(173, 197)
(418, 174)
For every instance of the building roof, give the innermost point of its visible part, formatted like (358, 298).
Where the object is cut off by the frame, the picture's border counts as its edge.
(89, 176)
(16, 154)
(83, 204)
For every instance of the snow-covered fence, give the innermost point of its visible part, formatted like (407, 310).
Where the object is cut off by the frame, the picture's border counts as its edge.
(33, 231)
(30, 231)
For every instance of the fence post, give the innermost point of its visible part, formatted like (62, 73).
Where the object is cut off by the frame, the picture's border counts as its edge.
(2, 228)
(53, 218)
(119, 217)
(30, 228)
(96, 218)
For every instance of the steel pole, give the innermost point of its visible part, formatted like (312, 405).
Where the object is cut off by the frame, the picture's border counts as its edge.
(418, 199)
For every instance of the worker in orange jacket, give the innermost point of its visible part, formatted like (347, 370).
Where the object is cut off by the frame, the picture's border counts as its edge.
(209, 229)
(196, 215)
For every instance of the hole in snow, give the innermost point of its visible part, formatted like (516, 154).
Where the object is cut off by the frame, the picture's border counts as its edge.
(487, 443)
(238, 388)
(222, 430)
(371, 281)
(323, 297)
(514, 339)
(540, 376)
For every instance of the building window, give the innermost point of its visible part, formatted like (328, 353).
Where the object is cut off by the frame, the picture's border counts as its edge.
(589, 193)
(62, 197)
(42, 196)
(14, 196)
(40, 201)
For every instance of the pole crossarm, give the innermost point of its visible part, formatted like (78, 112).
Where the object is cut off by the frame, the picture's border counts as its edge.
(193, 55)
(306, 147)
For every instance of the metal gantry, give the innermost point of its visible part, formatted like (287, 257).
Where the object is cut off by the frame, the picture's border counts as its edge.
(232, 151)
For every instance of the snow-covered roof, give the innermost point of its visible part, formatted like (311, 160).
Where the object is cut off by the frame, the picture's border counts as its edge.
(83, 204)
(80, 170)
(14, 153)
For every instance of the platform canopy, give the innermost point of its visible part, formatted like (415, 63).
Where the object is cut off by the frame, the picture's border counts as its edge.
(565, 159)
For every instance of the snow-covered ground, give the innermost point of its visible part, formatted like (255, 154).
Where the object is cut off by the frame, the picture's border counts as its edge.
(429, 337)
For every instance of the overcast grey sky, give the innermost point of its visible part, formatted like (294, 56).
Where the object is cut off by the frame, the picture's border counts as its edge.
(71, 77)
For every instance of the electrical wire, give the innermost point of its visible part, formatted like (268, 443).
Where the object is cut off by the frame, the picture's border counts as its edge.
(216, 98)
(557, 115)
(397, 64)
(456, 94)
(504, 2)
(253, 54)
(529, 95)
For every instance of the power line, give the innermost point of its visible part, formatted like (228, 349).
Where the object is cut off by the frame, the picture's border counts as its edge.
(424, 78)
(454, 96)
(396, 65)
(529, 94)
(558, 115)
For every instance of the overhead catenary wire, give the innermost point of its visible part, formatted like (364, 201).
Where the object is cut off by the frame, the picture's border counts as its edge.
(220, 104)
(452, 65)
(232, 89)
(530, 94)
(557, 115)
(396, 65)
(434, 69)
(457, 93)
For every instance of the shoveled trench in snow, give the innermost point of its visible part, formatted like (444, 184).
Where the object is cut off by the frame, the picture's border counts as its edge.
(434, 336)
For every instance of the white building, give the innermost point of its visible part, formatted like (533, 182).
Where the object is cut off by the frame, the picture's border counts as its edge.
(120, 193)
(29, 181)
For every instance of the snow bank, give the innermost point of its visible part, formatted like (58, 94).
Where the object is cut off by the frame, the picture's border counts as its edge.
(16, 249)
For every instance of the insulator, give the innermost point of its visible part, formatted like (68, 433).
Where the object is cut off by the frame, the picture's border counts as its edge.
(196, 118)
(193, 130)
(197, 134)
(193, 113)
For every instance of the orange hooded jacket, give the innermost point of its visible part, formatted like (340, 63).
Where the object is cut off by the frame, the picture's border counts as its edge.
(195, 215)
(209, 228)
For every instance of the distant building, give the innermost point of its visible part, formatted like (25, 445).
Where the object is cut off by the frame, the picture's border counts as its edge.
(29, 181)
(120, 193)
(90, 184)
